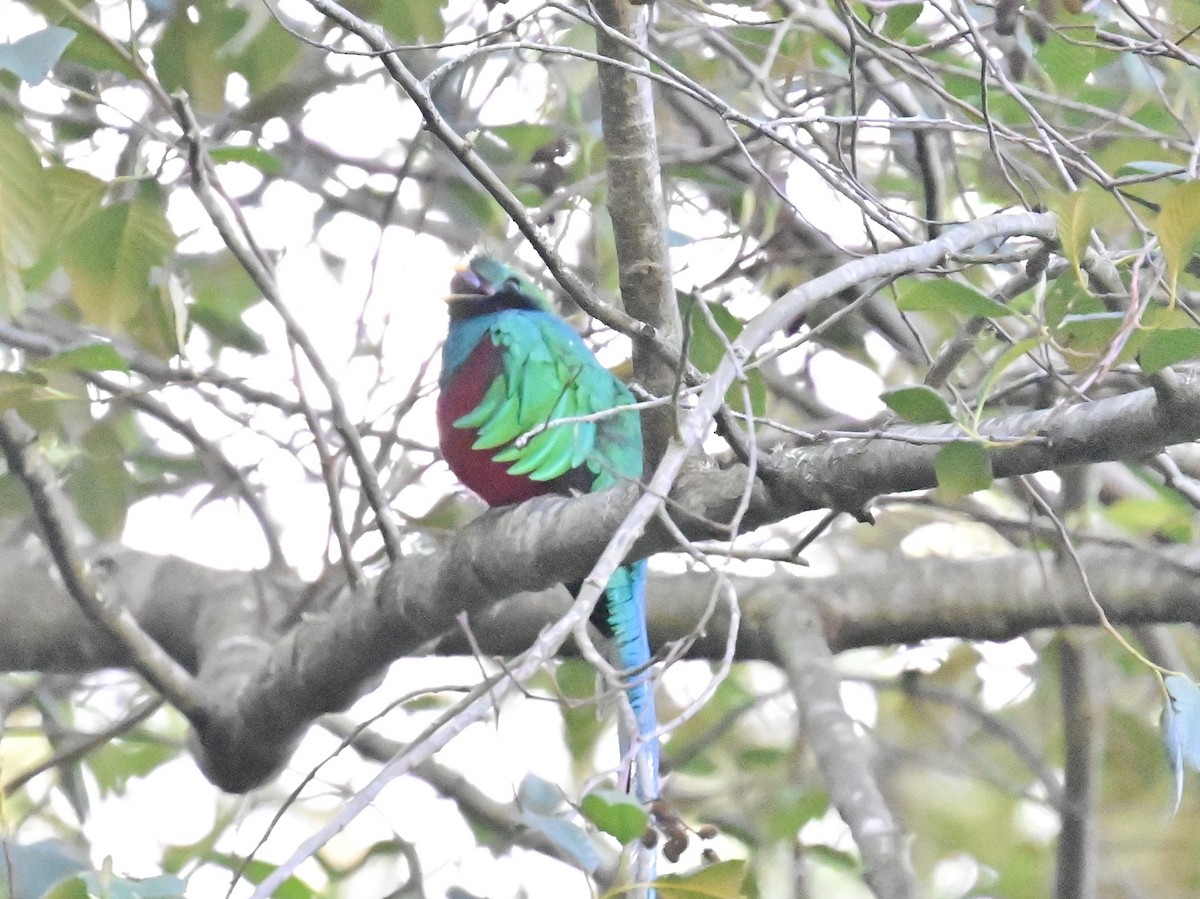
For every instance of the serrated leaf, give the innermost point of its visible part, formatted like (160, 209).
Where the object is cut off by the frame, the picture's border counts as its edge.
(572, 839)
(1181, 728)
(615, 813)
(720, 881)
(1167, 347)
(963, 467)
(1177, 226)
(33, 56)
(945, 295)
(92, 357)
(267, 163)
(920, 404)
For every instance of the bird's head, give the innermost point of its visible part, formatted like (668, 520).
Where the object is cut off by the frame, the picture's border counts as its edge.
(487, 285)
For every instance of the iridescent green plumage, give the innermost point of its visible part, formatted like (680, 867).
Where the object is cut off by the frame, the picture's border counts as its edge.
(526, 409)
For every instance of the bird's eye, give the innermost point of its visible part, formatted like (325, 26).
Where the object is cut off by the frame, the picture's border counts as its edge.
(513, 283)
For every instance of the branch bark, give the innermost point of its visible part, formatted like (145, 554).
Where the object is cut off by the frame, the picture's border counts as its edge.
(637, 207)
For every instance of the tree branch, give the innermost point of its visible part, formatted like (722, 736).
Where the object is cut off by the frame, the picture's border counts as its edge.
(637, 207)
(841, 755)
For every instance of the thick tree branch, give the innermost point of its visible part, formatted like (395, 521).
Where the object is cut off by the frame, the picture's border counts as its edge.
(30, 468)
(637, 207)
(265, 691)
(842, 756)
(1079, 840)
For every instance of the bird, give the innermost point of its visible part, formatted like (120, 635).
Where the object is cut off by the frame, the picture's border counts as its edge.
(511, 369)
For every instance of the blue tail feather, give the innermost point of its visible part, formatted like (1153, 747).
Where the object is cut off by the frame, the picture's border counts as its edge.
(626, 616)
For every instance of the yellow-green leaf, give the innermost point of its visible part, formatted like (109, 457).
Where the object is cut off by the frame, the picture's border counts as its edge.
(920, 405)
(615, 813)
(943, 294)
(1167, 347)
(74, 196)
(1076, 214)
(90, 357)
(963, 467)
(1177, 226)
(24, 213)
(720, 881)
(110, 257)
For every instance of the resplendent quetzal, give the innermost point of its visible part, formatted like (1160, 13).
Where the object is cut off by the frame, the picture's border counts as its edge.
(510, 365)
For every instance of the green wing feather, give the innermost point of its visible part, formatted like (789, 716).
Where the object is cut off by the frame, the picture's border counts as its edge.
(548, 374)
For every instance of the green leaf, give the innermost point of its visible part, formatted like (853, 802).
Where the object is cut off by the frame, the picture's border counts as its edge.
(1076, 215)
(1067, 295)
(1089, 334)
(1007, 358)
(33, 56)
(1068, 63)
(92, 51)
(1167, 347)
(24, 218)
(615, 813)
(223, 292)
(706, 349)
(900, 18)
(1164, 515)
(582, 727)
(945, 295)
(720, 881)
(963, 467)
(20, 388)
(116, 763)
(792, 809)
(91, 357)
(192, 56)
(920, 405)
(1177, 226)
(267, 163)
(71, 888)
(110, 257)
(411, 23)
